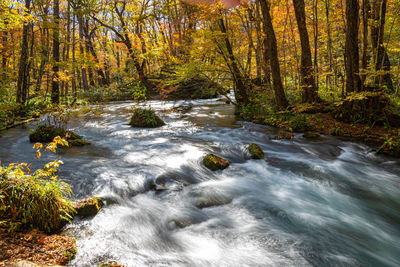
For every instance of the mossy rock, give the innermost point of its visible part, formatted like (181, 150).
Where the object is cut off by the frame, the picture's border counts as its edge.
(214, 162)
(78, 142)
(255, 151)
(145, 118)
(284, 135)
(311, 135)
(110, 264)
(44, 134)
(89, 206)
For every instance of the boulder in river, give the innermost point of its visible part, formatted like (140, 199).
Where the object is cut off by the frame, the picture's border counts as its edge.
(110, 264)
(46, 133)
(284, 135)
(88, 207)
(145, 118)
(214, 162)
(212, 202)
(311, 135)
(255, 151)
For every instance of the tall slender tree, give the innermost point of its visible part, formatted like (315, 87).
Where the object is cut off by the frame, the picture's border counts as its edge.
(353, 81)
(271, 50)
(23, 72)
(55, 84)
(309, 89)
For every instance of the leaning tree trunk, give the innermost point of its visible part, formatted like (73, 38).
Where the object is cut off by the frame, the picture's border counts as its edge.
(353, 81)
(23, 73)
(272, 50)
(55, 84)
(309, 89)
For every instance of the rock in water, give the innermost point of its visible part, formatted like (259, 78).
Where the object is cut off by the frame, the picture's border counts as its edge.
(214, 162)
(311, 135)
(255, 151)
(46, 133)
(284, 135)
(145, 118)
(88, 207)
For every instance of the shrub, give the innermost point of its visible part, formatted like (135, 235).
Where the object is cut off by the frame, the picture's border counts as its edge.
(38, 199)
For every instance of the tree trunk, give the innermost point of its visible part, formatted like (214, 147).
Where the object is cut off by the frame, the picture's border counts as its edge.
(85, 84)
(366, 9)
(23, 73)
(55, 85)
(272, 50)
(353, 81)
(241, 94)
(382, 62)
(4, 53)
(309, 90)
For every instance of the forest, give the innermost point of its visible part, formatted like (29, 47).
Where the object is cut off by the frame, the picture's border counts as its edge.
(320, 77)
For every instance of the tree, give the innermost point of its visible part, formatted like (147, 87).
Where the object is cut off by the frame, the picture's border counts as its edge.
(381, 59)
(55, 85)
(353, 81)
(309, 89)
(271, 52)
(23, 73)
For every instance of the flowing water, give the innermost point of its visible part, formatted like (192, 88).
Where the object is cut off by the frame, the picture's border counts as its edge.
(308, 203)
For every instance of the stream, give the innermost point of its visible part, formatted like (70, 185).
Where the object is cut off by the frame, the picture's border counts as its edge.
(328, 202)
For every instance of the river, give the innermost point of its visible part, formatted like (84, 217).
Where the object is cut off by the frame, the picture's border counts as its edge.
(328, 202)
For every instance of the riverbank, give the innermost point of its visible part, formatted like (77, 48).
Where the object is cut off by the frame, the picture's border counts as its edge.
(35, 246)
(320, 120)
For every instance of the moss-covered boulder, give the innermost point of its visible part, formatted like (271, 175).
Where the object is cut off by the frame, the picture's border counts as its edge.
(214, 162)
(284, 135)
(145, 118)
(311, 135)
(88, 207)
(255, 151)
(46, 133)
(110, 264)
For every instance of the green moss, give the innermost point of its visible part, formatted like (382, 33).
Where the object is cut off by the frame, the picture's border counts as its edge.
(78, 142)
(44, 134)
(391, 146)
(110, 264)
(255, 151)
(284, 135)
(88, 207)
(311, 135)
(214, 162)
(146, 118)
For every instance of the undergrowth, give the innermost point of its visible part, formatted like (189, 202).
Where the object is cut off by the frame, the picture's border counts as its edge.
(35, 200)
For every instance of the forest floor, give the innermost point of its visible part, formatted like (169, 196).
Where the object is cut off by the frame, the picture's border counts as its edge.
(35, 246)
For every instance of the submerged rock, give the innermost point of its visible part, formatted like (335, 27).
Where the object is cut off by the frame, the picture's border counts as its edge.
(212, 202)
(284, 135)
(89, 206)
(311, 135)
(255, 151)
(167, 181)
(182, 223)
(214, 162)
(46, 133)
(146, 118)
